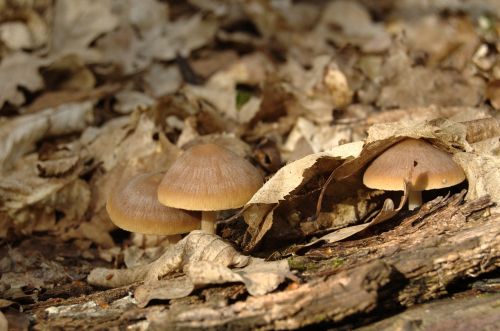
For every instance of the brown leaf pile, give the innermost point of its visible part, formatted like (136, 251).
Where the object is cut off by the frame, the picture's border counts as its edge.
(93, 92)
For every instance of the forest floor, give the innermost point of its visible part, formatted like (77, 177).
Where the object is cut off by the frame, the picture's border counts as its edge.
(94, 92)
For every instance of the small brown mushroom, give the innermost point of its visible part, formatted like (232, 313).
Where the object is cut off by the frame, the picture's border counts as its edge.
(425, 166)
(134, 207)
(209, 178)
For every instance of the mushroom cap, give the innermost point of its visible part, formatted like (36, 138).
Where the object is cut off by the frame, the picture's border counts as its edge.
(134, 207)
(208, 177)
(434, 168)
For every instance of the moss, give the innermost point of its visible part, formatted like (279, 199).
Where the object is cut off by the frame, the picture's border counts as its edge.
(242, 98)
(301, 263)
(336, 262)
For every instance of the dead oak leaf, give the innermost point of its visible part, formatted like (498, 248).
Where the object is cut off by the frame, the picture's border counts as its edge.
(79, 22)
(20, 134)
(179, 37)
(195, 247)
(121, 47)
(18, 70)
(260, 277)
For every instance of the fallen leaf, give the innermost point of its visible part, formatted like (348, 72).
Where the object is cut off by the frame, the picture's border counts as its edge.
(179, 37)
(128, 101)
(15, 35)
(355, 25)
(120, 48)
(79, 22)
(196, 246)
(285, 182)
(259, 277)
(162, 80)
(221, 89)
(387, 211)
(19, 70)
(316, 90)
(481, 169)
(407, 85)
(278, 193)
(21, 133)
(134, 256)
(291, 176)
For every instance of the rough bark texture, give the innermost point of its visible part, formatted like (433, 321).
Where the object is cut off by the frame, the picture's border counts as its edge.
(409, 261)
(410, 275)
(348, 293)
(470, 313)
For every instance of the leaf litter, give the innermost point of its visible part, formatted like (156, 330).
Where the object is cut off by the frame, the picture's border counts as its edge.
(309, 92)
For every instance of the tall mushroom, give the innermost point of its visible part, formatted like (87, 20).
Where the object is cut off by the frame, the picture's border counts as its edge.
(424, 165)
(209, 178)
(134, 207)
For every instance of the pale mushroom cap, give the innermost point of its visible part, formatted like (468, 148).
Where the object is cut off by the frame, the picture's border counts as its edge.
(434, 168)
(134, 207)
(208, 177)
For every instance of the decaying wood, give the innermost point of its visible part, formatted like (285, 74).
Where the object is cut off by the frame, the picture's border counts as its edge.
(416, 260)
(347, 293)
(469, 313)
(407, 275)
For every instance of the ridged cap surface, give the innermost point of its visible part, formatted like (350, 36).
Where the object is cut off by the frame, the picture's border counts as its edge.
(434, 168)
(208, 177)
(135, 207)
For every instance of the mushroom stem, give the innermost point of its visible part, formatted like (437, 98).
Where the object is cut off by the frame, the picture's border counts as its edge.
(208, 219)
(414, 199)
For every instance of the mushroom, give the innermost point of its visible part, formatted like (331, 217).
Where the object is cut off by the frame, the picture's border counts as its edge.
(209, 178)
(425, 166)
(134, 207)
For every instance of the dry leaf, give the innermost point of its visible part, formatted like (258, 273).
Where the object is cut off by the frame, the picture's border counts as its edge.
(79, 22)
(134, 256)
(30, 201)
(162, 80)
(406, 85)
(18, 70)
(452, 41)
(287, 181)
(308, 138)
(260, 213)
(481, 169)
(128, 101)
(19, 135)
(196, 246)
(318, 90)
(259, 277)
(355, 25)
(145, 15)
(387, 212)
(220, 90)
(15, 35)
(120, 47)
(179, 37)
(290, 177)
(448, 133)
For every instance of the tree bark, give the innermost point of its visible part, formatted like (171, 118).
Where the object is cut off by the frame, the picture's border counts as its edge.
(409, 275)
